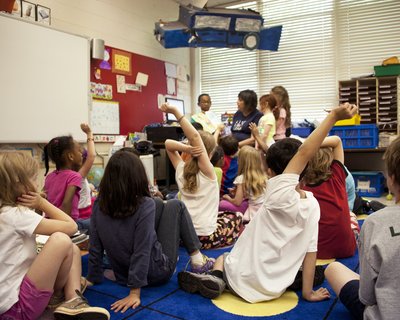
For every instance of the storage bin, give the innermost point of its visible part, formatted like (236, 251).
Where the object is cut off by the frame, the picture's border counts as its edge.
(303, 132)
(389, 70)
(369, 183)
(349, 122)
(364, 136)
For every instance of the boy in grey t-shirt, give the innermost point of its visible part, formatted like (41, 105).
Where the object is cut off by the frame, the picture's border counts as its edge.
(374, 293)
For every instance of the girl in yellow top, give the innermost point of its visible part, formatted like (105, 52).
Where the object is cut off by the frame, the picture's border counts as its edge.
(267, 124)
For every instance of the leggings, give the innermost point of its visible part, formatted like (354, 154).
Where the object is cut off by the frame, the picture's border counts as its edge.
(229, 227)
(174, 224)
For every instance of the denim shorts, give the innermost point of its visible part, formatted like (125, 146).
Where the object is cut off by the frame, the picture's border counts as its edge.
(350, 298)
(31, 302)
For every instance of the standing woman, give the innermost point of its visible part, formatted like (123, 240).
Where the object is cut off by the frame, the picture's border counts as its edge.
(246, 114)
(283, 124)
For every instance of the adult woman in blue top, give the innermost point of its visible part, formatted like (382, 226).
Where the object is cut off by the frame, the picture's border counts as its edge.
(246, 114)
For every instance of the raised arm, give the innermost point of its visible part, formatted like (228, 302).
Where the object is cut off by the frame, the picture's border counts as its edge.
(335, 143)
(194, 140)
(314, 141)
(217, 132)
(91, 152)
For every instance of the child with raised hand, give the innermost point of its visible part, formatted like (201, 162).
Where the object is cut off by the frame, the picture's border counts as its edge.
(282, 236)
(325, 177)
(250, 184)
(62, 186)
(140, 234)
(29, 279)
(197, 183)
(85, 194)
(374, 293)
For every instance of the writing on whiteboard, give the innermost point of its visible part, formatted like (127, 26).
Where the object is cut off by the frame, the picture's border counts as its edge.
(104, 117)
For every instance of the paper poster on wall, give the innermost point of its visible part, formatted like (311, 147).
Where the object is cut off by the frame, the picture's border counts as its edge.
(170, 70)
(121, 84)
(121, 62)
(171, 87)
(104, 117)
(101, 91)
(142, 79)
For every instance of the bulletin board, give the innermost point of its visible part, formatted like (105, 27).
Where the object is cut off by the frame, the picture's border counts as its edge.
(104, 118)
(136, 108)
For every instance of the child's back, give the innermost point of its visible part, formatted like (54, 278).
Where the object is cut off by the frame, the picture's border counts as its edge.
(326, 179)
(379, 262)
(288, 226)
(56, 184)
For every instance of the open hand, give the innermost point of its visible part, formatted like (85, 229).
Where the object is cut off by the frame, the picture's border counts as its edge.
(131, 301)
(318, 295)
(31, 200)
(254, 129)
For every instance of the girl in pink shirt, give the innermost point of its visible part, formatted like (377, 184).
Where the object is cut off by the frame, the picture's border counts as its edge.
(283, 123)
(62, 185)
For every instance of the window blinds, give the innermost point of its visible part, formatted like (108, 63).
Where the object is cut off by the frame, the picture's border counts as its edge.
(322, 42)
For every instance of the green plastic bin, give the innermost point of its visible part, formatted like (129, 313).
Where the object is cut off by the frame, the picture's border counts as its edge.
(389, 70)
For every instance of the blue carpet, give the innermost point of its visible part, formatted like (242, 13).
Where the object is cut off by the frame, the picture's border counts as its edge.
(169, 302)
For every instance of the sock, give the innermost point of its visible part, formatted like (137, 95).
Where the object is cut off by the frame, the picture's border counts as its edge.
(218, 274)
(197, 259)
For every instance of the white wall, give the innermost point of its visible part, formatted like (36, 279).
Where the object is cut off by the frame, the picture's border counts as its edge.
(124, 24)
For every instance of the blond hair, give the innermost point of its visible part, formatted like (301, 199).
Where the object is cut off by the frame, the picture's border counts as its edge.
(250, 166)
(16, 171)
(191, 168)
(319, 167)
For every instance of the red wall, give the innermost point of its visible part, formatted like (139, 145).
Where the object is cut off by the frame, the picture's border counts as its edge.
(136, 109)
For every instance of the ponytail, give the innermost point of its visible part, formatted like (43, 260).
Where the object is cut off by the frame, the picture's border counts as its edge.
(190, 171)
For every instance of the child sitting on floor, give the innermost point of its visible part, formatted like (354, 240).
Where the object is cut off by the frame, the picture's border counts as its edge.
(62, 185)
(281, 237)
(374, 294)
(325, 178)
(140, 234)
(198, 186)
(29, 280)
(250, 184)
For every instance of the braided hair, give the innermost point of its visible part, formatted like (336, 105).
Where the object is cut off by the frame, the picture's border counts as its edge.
(55, 151)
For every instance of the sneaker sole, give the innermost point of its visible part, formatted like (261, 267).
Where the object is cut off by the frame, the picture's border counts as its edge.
(90, 313)
(192, 284)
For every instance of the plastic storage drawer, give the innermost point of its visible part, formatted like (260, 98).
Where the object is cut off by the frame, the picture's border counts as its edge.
(363, 136)
(303, 132)
(369, 183)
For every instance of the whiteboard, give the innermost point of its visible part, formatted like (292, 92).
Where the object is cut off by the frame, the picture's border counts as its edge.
(44, 81)
(104, 117)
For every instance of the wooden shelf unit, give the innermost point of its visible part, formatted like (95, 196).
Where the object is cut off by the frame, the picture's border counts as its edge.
(378, 100)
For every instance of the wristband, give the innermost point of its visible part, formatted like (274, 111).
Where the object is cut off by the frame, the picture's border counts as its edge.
(180, 119)
(89, 139)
